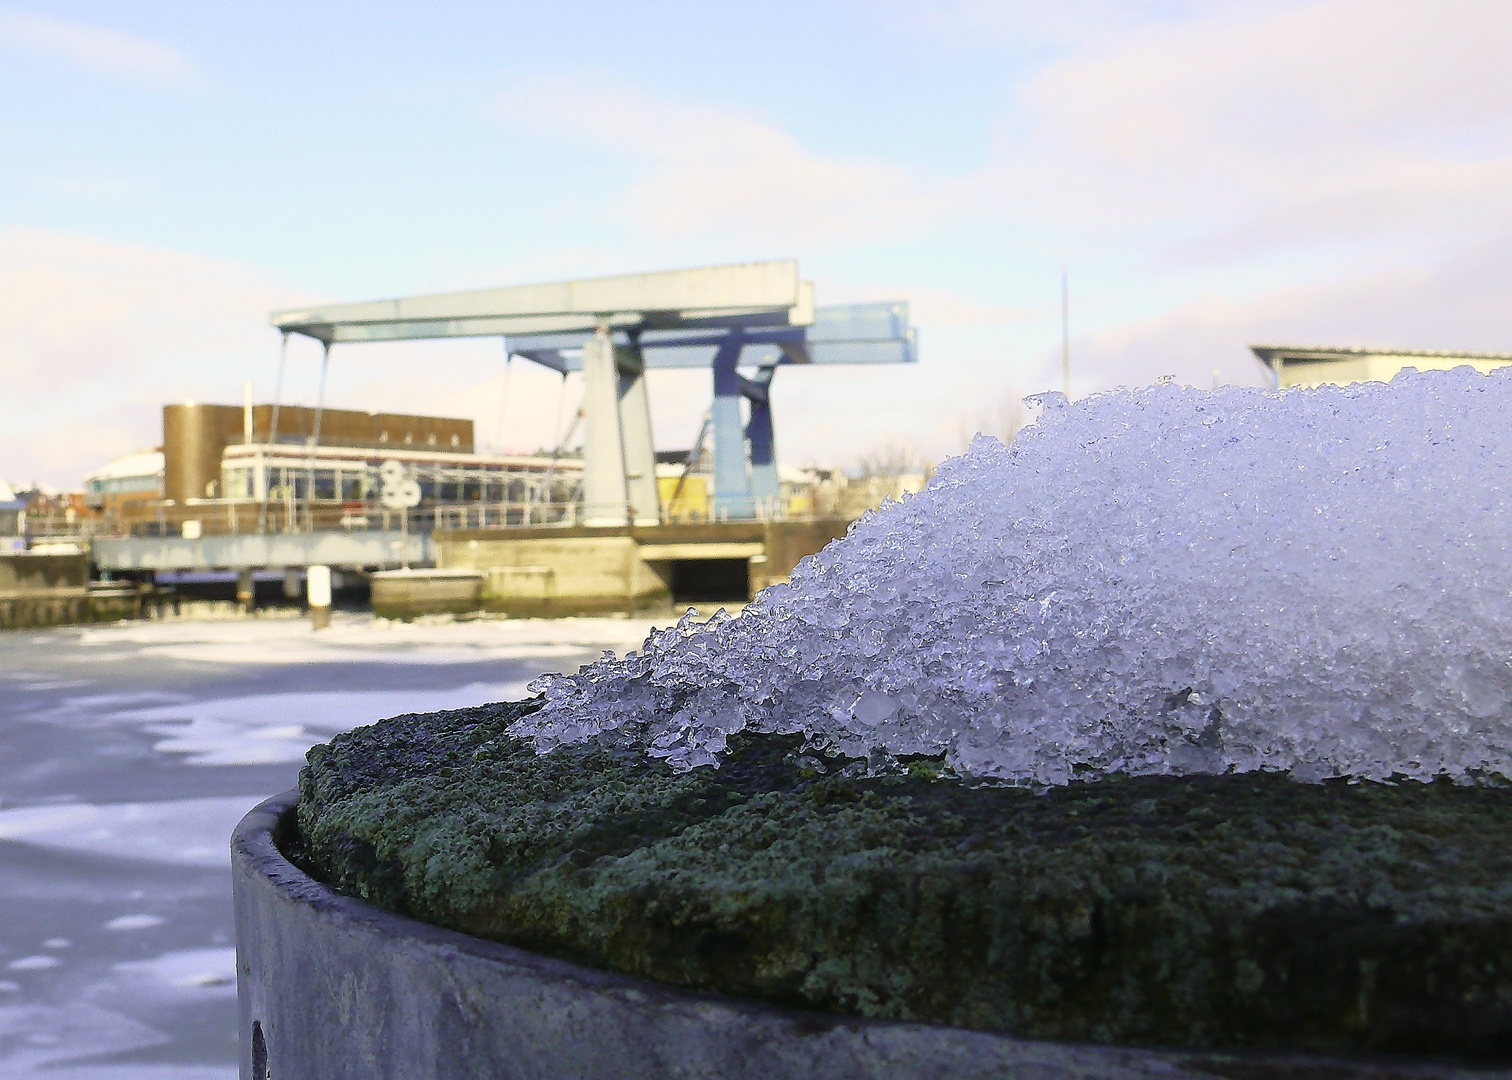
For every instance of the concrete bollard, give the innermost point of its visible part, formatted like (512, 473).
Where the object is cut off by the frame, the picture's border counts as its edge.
(246, 594)
(330, 987)
(318, 589)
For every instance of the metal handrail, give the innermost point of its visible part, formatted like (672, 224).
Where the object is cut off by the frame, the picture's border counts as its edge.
(238, 517)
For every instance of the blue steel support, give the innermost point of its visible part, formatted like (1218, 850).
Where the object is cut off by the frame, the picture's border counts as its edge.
(744, 487)
(732, 483)
(765, 488)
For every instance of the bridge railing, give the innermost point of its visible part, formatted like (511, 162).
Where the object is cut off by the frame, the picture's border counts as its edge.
(245, 517)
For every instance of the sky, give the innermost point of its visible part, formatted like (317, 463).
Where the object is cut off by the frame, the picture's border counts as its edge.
(1209, 173)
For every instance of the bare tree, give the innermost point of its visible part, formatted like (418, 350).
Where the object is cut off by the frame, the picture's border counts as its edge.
(891, 457)
(1003, 419)
(892, 469)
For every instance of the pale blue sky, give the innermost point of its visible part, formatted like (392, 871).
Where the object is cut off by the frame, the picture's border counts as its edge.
(1332, 171)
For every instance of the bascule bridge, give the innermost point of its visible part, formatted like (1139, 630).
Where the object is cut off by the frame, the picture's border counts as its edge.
(613, 548)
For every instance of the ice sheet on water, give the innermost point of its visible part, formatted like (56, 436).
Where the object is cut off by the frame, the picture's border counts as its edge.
(1158, 581)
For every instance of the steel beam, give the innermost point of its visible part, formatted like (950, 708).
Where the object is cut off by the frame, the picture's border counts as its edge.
(766, 487)
(861, 322)
(732, 483)
(706, 291)
(423, 329)
(846, 334)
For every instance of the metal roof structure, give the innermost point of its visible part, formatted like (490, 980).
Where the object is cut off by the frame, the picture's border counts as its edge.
(846, 334)
(1316, 365)
(613, 329)
(761, 293)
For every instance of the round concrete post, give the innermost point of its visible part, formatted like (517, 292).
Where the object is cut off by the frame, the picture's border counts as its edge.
(330, 987)
(318, 588)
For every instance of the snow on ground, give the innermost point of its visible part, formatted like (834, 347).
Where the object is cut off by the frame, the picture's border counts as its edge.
(438, 640)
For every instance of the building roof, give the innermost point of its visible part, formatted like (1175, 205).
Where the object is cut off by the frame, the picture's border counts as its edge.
(1269, 354)
(140, 463)
(278, 453)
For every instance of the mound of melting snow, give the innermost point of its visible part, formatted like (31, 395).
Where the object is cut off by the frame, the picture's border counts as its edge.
(1162, 581)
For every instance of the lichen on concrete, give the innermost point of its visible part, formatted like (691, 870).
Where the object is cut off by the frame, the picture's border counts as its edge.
(1220, 911)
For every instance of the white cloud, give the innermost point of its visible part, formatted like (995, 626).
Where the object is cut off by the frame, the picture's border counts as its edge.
(1456, 304)
(1326, 171)
(1358, 151)
(95, 336)
(1318, 120)
(99, 49)
(1214, 131)
(705, 168)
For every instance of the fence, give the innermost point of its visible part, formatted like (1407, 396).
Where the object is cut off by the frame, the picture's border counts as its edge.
(244, 517)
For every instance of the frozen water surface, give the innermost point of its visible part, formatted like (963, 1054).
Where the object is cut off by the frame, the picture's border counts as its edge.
(184, 832)
(128, 753)
(1159, 581)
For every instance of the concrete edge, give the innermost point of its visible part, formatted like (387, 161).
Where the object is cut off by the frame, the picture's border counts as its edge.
(544, 1017)
(254, 845)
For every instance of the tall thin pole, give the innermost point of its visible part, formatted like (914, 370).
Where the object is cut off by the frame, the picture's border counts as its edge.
(325, 360)
(498, 431)
(283, 356)
(264, 460)
(1065, 335)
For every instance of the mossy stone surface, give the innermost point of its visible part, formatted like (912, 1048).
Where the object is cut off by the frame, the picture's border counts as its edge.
(1218, 911)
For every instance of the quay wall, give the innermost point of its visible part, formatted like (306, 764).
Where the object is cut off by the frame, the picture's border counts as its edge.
(583, 570)
(43, 590)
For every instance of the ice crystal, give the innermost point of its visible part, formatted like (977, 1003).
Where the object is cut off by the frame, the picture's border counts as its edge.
(1164, 580)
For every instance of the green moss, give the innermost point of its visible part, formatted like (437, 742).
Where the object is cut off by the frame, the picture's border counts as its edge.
(1209, 911)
